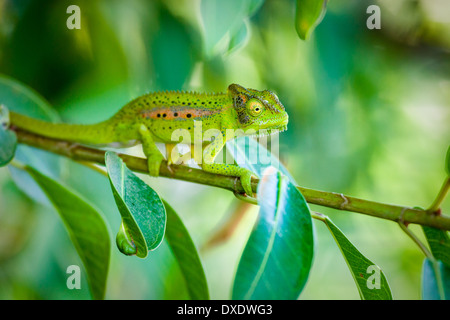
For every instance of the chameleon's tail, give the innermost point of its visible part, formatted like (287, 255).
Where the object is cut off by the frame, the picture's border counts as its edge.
(89, 134)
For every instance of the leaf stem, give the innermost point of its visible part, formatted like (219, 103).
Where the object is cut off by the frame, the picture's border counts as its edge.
(322, 198)
(94, 167)
(17, 164)
(318, 216)
(428, 254)
(416, 240)
(434, 208)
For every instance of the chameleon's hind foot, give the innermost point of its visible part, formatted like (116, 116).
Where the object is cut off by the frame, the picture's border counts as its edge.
(154, 156)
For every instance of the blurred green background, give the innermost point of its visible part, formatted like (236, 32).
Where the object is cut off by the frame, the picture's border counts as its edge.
(369, 117)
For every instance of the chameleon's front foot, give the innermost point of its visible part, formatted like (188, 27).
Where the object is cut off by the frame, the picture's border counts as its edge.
(246, 180)
(244, 174)
(154, 156)
(154, 162)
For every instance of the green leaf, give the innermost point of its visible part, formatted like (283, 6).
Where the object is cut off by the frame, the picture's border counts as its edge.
(436, 273)
(142, 210)
(86, 228)
(277, 259)
(186, 255)
(239, 39)
(19, 98)
(8, 143)
(8, 139)
(435, 280)
(308, 16)
(224, 18)
(370, 280)
(439, 243)
(174, 50)
(243, 149)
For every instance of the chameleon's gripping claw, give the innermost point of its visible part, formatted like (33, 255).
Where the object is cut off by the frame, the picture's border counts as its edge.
(246, 180)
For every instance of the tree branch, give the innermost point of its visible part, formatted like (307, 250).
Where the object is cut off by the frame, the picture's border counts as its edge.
(334, 200)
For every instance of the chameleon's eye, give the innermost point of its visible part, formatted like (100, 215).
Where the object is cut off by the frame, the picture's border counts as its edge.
(255, 107)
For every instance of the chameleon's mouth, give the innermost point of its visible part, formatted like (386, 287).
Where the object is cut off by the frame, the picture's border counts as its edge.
(270, 128)
(271, 131)
(275, 128)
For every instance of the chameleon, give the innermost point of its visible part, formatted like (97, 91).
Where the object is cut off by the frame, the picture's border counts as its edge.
(154, 117)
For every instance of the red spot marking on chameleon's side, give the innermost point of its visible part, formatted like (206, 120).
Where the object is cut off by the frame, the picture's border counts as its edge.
(175, 113)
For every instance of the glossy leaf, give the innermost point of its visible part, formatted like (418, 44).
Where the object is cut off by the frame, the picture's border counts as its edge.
(86, 228)
(8, 139)
(186, 255)
(244, 148)
(309, 14)
(142, 210)
(277, 259)
(370, 280)
(435, 280)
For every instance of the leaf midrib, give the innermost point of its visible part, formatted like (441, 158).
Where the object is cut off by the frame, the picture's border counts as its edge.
(270, 244)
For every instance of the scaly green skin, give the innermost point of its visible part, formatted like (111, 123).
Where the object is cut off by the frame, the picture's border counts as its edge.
(155, 117)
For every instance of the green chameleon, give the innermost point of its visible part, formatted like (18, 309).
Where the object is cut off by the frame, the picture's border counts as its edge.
(155, 116)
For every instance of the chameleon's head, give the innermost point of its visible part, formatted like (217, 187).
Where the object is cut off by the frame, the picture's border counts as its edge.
(258, 110)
